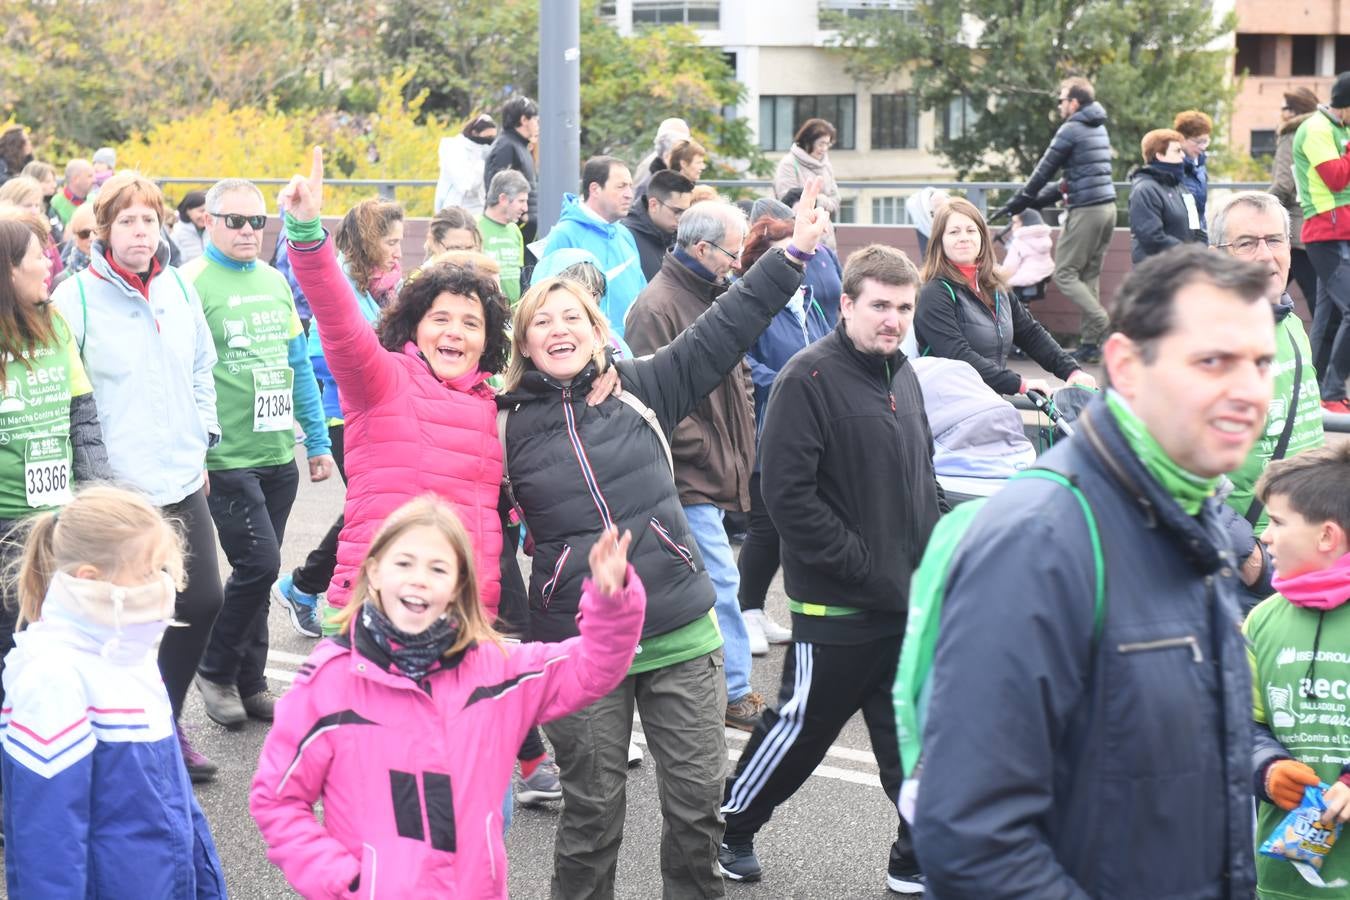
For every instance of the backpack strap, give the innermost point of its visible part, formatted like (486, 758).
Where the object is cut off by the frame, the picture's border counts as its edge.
(502, 415)
(642, 409)
(1291, 412)
(1098, 557)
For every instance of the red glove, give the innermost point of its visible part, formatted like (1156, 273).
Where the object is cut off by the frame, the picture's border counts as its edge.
(1285, 781)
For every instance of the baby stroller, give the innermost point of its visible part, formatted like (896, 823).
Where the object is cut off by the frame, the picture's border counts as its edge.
(979, 438)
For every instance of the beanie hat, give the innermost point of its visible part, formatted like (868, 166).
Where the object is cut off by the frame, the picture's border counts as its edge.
(1300, 100)
(1340, 91)
(106, 155)
(1030, 217)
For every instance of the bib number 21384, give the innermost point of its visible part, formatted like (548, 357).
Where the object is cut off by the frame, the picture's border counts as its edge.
(273, 406)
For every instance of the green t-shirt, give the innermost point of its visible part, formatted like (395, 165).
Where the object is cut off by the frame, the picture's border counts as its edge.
(506, 245)
(1307, 433)
(1308, 712)
(252, 319)
(36, 465)
(681, 645)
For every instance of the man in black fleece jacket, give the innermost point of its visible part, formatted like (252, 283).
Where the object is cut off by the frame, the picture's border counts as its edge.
(847, 475)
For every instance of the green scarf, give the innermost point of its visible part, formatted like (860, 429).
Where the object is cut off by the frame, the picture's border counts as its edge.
(1187, 489)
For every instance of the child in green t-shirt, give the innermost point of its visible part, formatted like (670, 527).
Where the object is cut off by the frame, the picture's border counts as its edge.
(1300, 656)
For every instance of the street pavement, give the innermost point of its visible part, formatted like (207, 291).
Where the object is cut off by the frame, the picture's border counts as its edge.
(830, 841)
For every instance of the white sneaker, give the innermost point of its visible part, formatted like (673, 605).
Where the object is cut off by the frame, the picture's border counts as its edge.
(634, 755)
(759, 645)
(772, 631)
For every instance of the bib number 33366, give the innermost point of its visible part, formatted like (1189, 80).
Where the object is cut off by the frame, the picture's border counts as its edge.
(273, 405)
(46, 472)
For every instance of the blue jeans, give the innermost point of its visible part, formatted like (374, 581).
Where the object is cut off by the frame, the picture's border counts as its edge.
(705, 521)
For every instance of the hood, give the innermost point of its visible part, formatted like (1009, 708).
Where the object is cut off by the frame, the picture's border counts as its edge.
(1283, 308)
(572, 212)
(1152, 174)
(560, 259)
(102, 266)
(471, 149)
(639, 220)
(807, 161)
(1093, 115)
(1291, 126)
(1035, 238)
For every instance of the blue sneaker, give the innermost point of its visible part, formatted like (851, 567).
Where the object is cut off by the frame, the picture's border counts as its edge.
(299, 606)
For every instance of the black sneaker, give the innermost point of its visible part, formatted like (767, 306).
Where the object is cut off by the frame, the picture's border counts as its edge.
(1088, 353)
(738, 862)
(912, 884)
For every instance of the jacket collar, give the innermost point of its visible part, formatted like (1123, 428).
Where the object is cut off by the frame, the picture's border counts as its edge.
(693, 276)
(1291, 126)
(535, 384)
(1192, 537)
(640, 220)
(103, 266)
(873, 363)
(1283, 308)
(369, 660)
(466, 383)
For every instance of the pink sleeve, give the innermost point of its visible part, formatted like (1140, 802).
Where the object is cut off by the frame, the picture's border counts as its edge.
(581, 670)
(291, 773)
(362, 368)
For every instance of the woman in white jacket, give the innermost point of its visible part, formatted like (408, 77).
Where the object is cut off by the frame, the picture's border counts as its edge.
(462, 158)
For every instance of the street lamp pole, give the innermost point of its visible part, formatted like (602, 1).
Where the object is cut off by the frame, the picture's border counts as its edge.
(559, 106)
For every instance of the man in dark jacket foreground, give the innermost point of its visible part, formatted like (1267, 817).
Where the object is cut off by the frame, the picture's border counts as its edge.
(847, 473)
(1070, 758)
(655, 217)
(1082, 148)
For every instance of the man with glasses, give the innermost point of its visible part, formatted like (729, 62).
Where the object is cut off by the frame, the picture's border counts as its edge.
(655, 217)
(264, 386)
(508, 200)
(1195, 128)
(1254, 227)
(1322, 174)
(1082, 149)
(714, 448)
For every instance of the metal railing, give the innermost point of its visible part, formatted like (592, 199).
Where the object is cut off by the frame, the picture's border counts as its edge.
(1332, 423)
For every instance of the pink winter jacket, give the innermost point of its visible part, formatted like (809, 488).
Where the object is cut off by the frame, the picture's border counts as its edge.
(412, 780)
(1029, 256)
(407, 432)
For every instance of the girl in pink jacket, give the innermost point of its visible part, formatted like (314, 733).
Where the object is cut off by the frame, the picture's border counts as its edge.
(407, 725)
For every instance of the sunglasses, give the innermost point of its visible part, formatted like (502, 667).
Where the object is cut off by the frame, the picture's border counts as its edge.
(235, 222)
(85, 234)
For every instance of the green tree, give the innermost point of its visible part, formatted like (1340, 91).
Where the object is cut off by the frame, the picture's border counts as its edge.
(1147, 59)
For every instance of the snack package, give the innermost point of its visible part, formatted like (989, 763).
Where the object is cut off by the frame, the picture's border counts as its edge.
(1303, 840)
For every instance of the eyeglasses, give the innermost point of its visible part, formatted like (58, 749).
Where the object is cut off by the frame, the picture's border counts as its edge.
(732, 256)
(1063, 100)
(84, 234)
(235, 222)
(1246, 246)
(677, 210)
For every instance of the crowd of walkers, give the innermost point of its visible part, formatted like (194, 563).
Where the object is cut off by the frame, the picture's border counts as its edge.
(672, 375)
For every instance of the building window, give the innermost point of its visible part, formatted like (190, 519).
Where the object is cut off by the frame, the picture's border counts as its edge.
(895, 122)
(889, 211)
(609, 9)
(857, 9)
(1303, 54)
(780, 117)
(695, 13)
(848, 211)
(1342, 53)
(1255, 54)
(1263, 143)
(959, 114)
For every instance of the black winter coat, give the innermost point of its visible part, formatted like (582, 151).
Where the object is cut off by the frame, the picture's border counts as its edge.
(1061, 763)
(1159, 213)
(951, 322)
(846, 469)
(511, 151)
(576, 468)
(652, 242)
(1082, 148)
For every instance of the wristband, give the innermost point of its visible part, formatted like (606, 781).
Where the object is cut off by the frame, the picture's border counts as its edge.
(297, 230)
(798, 255)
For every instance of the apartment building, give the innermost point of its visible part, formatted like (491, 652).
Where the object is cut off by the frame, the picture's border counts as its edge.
(784, 58)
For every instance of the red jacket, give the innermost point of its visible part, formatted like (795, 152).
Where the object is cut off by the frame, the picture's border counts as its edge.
(407, 432)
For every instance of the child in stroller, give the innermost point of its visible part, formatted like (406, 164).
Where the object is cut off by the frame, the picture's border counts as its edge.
(1028, 263)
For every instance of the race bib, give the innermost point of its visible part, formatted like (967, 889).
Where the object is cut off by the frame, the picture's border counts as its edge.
(273, 399)
(1192, 212)
(46, 472)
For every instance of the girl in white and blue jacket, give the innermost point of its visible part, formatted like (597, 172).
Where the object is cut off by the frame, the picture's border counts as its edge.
(97, 802)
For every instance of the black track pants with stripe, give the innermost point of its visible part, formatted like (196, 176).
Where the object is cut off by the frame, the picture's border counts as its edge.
(822, 687)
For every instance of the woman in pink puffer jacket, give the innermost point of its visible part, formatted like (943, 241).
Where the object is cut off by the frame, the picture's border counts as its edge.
(406, 727)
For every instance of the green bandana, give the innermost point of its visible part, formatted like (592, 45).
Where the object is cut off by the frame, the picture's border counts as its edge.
(1188, 490)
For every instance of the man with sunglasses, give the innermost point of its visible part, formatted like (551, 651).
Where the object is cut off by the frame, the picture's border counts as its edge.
(264, 386)
(655, 217)
(714, 448)
(1082, 149)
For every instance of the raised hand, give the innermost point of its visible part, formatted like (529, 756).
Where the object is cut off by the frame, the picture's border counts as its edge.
(303, 196)
(811, 222)
(609, 561)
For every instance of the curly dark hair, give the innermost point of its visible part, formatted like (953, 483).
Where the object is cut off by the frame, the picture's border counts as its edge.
(399, 323)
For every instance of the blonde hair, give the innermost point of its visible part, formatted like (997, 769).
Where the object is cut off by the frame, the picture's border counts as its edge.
(83, 216)
(104, 527)
(22, 190)
(428, 511)
(528, 306)
(121, 191)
